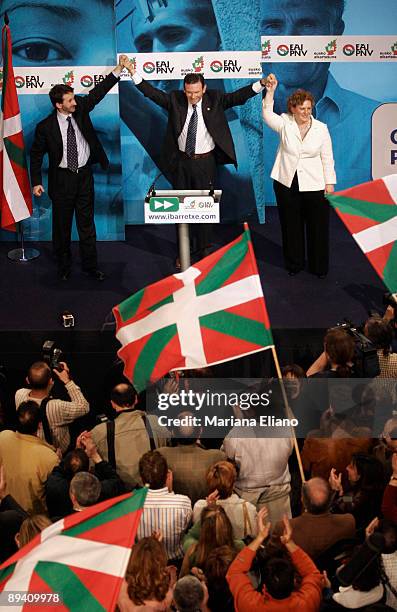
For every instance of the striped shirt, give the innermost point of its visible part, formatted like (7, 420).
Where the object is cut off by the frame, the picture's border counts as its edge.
(59, 413)
(169, 513)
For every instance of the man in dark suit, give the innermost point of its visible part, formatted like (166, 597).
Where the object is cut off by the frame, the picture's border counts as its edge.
(69, 138)
(198, 136)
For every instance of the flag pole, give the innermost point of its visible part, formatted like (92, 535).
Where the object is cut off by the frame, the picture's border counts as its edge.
(288, 411)
(22, 254)
(15, 191)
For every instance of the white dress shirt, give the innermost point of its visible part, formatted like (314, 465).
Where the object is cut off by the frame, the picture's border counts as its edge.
(204, 140)
(311, 158)
(83, 148)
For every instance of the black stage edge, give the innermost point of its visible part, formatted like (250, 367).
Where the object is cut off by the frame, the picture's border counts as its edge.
(300, 307)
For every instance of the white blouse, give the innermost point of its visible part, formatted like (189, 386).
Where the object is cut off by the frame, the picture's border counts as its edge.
(311, 158)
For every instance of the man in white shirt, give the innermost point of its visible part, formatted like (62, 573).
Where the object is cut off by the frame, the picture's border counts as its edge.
(198, 137)
(163, 510)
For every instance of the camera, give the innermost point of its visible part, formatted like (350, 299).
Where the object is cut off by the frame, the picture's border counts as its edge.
(366, 362)
(52, 355)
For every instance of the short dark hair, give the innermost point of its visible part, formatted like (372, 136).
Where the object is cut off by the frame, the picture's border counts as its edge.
(39, 375)
(193, 77)
(153, 469)
(57, 92)
(380, 333)
(28, 417)
(278, 576)
(86, 488)
(75, 461)
(317, 495)
(123, 394)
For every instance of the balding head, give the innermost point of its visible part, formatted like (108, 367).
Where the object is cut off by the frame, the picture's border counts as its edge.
(123, 397)
(40, 376)
(316, 495)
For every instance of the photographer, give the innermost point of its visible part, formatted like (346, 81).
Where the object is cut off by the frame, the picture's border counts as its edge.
(56, 414)
(380, 332)
(336, 360)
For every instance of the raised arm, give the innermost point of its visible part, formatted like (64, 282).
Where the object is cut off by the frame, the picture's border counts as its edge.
(240, 96)
(271, 118)
(158, 96)
(97, 94)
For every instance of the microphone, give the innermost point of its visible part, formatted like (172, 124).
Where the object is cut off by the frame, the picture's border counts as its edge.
(365, 555)
(152, 189)
(212, 190)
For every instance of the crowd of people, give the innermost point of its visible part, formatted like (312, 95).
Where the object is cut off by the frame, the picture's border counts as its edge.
(227, 524)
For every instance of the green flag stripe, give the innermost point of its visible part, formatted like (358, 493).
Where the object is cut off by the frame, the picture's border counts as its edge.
(390, 270)
(149, 355)
(126, 506)
(166, 300)
(239, 327)
(360, 208)
(129, 307)
(61, 579)
(225, 267)
(7, 571)
(15, 153)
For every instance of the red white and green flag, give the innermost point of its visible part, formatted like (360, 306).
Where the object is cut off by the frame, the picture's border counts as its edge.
(369, 212)
(16, 197)
(82, 559)
(213, 312)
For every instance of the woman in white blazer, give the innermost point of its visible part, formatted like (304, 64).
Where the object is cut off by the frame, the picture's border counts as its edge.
(303, 171)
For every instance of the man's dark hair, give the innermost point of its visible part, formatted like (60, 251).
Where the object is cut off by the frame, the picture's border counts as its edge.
(317, 495)
(86, 488)
(57, 92)
(28, 417)
(188, 594)
(124, 395)
(380, 333)
(75, 461)
(153, 469)
(278, 576)
(193, 77)
(39, 375)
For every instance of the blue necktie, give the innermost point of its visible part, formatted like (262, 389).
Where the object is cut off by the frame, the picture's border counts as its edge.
(71, 147)
(192, 133)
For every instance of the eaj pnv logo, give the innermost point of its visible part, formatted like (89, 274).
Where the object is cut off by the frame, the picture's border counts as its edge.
(149, 67)
(348, 49)
(283, 50)
(216, 66)
(87, 80)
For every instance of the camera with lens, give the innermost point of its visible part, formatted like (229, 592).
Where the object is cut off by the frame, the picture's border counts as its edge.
(366, 362)
(52, 355)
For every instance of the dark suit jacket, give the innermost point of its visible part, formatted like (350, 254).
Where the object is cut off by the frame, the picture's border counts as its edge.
(48, 138)
(214, 105)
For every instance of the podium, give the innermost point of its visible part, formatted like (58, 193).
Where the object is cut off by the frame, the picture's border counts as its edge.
(183, 207)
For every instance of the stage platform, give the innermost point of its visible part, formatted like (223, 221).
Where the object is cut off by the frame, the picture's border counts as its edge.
(300, 307)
